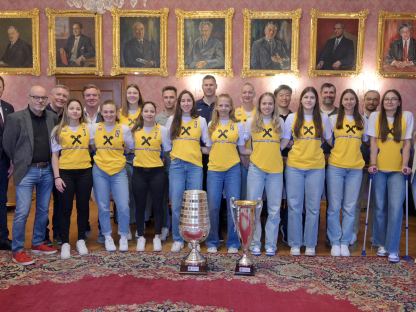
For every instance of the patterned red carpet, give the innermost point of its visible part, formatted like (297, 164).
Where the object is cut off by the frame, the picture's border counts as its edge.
(150, 282)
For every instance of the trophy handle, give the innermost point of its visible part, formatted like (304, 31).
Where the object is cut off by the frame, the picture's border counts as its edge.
(232, 207)
(259, 204)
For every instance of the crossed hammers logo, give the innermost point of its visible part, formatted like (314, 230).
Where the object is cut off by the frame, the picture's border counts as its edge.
(351, 129)
(131, 122)
(185, 130)
(267, 132)
(307, 130)
(391, 131)
(222, 134)
(146, 140)
(76, 139)
(108, 140)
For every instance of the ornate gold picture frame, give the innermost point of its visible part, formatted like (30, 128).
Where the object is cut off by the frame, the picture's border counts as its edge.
(204, 42)
(396, 45)
(271, 43)
(337, 43)
(75, 42)
(140, 42)
(19, 42)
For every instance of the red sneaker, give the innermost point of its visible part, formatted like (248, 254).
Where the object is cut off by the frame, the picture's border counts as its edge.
(43, 249)
(22, 258)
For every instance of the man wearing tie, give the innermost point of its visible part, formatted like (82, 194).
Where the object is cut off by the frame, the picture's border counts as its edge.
(78, 47)
(5, 171)
(18, 52)
(402, 52)
(338, 52)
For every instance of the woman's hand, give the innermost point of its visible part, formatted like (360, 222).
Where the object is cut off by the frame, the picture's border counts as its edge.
(60, 184)
(372, 169)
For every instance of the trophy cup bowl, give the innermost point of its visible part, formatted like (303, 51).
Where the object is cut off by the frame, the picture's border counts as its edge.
(243, 213)
(194, 228)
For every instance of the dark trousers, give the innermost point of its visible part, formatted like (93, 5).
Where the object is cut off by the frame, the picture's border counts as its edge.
(79, 183)
(4, 167)
(148, 180)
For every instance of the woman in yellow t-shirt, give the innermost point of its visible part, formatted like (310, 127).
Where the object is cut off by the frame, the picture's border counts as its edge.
(71, 163)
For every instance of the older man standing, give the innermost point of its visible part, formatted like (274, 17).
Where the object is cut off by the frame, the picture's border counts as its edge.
(30, 155)
(18, 52)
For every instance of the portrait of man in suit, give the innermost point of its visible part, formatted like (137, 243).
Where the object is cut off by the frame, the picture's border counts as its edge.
(18, 52)
(206, 51)
(338, 52)
(402, 51)
(270, 52)
(78, 50)
(140, 51)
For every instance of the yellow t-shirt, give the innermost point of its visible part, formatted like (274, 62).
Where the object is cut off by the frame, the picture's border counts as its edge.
(130, 119)
(346, 152)
(148, 147)
(187, 145)
(242, 115)
(74, 152)
(224, 154)
(109, 156)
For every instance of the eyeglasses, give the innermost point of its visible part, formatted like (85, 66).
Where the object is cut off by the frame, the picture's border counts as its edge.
(39, 98)
(391, 99)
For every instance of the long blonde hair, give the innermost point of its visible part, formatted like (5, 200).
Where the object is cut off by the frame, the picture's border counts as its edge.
(56, 132)
(258, 123)
(216, 115)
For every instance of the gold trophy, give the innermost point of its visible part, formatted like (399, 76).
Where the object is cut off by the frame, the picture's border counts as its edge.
(244, 212)
(194, 228)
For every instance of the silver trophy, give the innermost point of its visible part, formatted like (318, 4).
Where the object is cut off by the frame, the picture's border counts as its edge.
(244, 212)
(194, 228)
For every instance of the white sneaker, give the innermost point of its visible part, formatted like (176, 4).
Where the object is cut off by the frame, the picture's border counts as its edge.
(123, 244)
(157, 244)
(198, 246)
(141, 243)
(65, 251)
(176, 246)
(255, 251)
(212, 250)
(295, 251)
(345, 252)
(394, 258)
(82, 248)
(165, 233)
(335, 251)
(381, 251)
(109, 244)
(310, 251)
(232, 250)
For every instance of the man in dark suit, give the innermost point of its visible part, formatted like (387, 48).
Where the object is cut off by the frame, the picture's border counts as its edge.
(269, 52)
(5, 170)
(402, 52)
(18, 52)
(31, 158)
(138, 51)
(78, 47)
(338, 52)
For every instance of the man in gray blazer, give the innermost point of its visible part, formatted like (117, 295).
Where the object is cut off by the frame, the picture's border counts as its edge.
(26, 141)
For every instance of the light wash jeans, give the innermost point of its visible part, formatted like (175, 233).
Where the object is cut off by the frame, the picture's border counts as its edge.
(304, 185)
(182, 176)
(389, 194)
(42, 180)
(343, 193)
(118, 185)
(257, 181)
(217, 181)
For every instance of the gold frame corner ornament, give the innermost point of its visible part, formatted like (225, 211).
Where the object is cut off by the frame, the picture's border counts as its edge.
(227, 15)
(383, 17)
(315, 15)
(51, 14)
(248, 15)
(35, 69)
(116, 68)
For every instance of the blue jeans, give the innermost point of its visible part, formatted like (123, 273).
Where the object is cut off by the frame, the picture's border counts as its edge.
(389, 187)
(42, 180)
(304, 185)
(182, 176)
(257, 181)
(343, 192)
(217, 181)
(118, 185)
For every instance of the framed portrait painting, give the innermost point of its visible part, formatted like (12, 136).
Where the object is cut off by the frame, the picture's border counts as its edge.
(75, 43)
(271, 43)
(204, 42)
(140, 42)
(337, 43)
(19, 42)
(396, 50)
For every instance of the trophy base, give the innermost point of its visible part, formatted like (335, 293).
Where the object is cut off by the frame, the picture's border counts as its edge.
(194, 269)
(245, 270)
